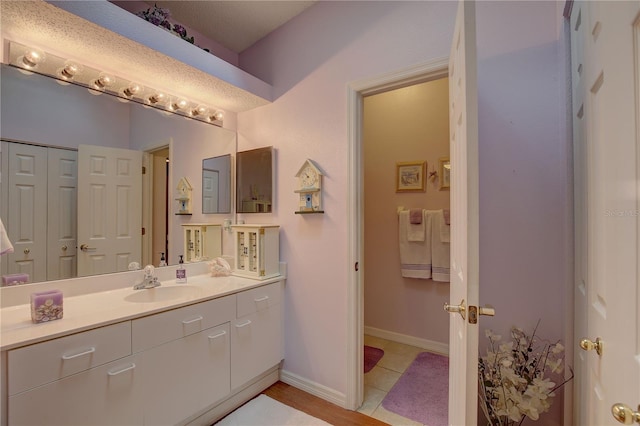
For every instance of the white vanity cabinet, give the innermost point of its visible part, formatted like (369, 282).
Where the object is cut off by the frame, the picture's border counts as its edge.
(257, 251)
(184, 365)
(257, 334)
(49, 382)
(185, 359)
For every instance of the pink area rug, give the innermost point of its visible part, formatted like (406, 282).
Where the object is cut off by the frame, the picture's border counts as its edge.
(422, 392)
(371, 357)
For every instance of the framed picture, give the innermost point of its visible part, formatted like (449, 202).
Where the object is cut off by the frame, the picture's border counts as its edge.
(445, 173)
(410, 176)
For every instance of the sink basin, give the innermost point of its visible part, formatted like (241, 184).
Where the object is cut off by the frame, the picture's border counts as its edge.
(162, 294)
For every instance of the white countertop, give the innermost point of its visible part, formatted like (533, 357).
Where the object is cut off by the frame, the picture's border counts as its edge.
(91, 310)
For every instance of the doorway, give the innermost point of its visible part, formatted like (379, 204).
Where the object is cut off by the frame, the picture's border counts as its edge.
(155, 206)
(357, 92)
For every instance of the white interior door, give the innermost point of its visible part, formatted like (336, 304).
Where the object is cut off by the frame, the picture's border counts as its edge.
(109, 209)
(210, 190)
(27, 224)
(606, 87)
(61, 213)
(463, 119)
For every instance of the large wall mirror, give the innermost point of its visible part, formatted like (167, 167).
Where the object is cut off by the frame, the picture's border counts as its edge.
(52, 133)
(254, 180)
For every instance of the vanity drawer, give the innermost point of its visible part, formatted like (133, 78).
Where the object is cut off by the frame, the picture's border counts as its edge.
(157, 329)
(46, 362)
(259, 298)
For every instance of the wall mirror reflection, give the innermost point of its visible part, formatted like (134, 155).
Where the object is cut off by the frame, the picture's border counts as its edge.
(254, 180)
(216, 184)
(61, 209)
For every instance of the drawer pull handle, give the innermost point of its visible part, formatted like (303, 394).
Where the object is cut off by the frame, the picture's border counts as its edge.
(243, 324)
(261, 299)
(87, 352)
(215, 336)
(191, 321)
(122, 370)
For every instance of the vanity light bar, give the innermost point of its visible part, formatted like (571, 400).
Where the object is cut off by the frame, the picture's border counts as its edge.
(67, 71)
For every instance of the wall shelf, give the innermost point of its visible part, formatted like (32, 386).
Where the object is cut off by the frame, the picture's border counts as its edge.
(312, 212)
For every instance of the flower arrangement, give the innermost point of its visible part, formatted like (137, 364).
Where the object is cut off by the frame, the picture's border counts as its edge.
(160, 17)
(515, 377)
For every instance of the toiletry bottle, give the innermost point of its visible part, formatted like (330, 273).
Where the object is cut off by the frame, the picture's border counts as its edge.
(163, 262)
(181, 273)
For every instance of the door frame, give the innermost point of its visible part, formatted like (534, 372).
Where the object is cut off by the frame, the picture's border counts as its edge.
(356, 91)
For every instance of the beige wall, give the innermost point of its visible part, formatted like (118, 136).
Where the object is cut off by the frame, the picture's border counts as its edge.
(408, 124)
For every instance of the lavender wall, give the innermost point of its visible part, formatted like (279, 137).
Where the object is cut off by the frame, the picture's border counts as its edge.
(310, 62)
(523, 175)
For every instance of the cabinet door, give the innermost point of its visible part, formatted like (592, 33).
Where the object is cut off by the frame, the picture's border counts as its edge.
(256, 344)
(105, 395)
(183, 377)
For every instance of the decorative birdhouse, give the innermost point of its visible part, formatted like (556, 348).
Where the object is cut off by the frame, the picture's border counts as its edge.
(309, 188)
(183, 196)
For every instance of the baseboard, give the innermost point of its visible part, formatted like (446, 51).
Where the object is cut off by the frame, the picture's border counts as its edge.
(314, 388)
(429, 345)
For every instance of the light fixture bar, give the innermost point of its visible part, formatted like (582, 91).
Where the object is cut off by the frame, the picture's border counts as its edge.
(97, 82)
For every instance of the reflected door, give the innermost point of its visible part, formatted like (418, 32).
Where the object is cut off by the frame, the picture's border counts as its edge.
(109, 209)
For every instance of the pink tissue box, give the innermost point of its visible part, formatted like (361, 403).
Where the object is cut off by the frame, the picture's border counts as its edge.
(46, 306)
(13, 279)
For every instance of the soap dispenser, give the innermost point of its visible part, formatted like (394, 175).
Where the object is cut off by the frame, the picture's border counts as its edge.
(163, 262)
(181, 273)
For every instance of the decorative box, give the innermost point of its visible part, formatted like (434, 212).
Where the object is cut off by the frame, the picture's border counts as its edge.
(14, 279)
(46, 306)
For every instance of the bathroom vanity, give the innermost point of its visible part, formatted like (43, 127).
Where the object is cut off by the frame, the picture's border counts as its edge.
(176, 354)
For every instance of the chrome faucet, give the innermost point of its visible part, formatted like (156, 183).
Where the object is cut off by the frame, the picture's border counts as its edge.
(149, 281)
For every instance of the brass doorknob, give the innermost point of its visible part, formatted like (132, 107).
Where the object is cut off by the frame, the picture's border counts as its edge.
(624, 414)
(589, 345)
(461, 309)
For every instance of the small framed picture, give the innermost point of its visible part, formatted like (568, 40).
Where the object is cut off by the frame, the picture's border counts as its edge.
(445, 173)
(410, 176)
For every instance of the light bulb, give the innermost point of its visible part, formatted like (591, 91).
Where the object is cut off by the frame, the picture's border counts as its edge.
(217, 116)
(103, 81)
(178, 104)
(198, 111)
(31, 58)
(156, 98)
(70, 70)
(131, 90)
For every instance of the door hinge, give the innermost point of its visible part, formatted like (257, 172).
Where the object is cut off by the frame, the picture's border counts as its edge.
(144, 170)
(143, 230)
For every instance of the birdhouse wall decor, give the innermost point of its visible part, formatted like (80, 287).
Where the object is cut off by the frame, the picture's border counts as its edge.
(309, 188)
(183, 196)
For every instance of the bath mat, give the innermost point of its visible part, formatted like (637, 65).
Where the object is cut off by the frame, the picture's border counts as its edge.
(265, 411)
(371, 357)
(422, 392)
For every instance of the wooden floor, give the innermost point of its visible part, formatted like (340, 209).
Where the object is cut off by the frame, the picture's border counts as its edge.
(318, 407)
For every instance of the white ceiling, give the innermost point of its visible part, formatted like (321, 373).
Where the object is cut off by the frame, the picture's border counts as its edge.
(235, 24)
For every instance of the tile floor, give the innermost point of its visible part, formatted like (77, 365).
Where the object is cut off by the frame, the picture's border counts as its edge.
(377, 382)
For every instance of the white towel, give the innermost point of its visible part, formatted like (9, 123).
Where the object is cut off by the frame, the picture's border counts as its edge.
(440, 250)
(445, 230)
(5, 244)
(416, 232)
(415, 256)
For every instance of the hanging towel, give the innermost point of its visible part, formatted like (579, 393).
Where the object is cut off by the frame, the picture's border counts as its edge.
(445, 229)
(416, 232)
(415, 256)
(5, 244)
(440, 251)
(415, 216)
